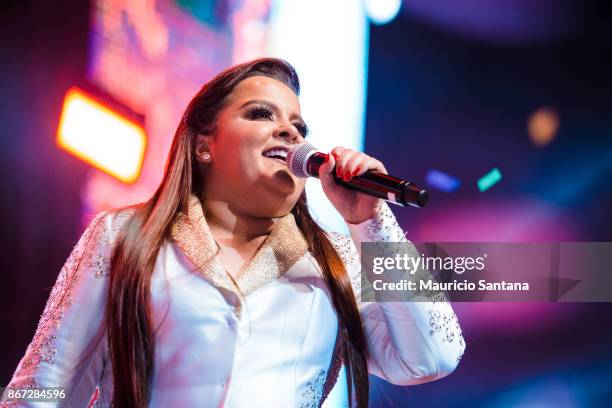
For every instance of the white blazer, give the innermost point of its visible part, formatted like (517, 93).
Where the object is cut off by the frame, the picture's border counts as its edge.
(266, 339)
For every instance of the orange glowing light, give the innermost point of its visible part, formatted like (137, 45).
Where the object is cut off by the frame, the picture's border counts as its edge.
(100, 136)
(543, 125)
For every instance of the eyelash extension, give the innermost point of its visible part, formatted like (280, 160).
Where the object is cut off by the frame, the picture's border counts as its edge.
(263, 111)
(260, 111)
(302, 128)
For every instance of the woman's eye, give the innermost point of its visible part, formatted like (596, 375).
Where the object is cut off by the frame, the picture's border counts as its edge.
(264, 112)
(260, 112)
(301, 128)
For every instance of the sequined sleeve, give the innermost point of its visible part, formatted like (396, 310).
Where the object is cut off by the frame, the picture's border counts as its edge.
(68, 347)
(409, 342)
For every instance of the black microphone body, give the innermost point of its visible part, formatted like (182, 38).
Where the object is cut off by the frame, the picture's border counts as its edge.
(305, 162)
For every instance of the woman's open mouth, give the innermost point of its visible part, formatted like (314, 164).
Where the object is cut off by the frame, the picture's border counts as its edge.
(276, 153)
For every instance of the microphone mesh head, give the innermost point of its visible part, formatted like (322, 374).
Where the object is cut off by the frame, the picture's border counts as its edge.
(297, 157)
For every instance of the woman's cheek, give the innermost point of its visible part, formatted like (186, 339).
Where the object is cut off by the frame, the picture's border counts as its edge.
(251, 166)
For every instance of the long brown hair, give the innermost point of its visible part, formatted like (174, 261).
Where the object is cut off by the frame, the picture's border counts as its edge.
(128, 317)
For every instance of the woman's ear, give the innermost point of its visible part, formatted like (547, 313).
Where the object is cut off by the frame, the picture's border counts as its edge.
(202, 148)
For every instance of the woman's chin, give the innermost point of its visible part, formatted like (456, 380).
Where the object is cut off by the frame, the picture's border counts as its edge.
(284, 181)
(278, 197)
(277, 183)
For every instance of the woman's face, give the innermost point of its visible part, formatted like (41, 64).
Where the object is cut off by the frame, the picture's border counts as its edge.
(261, 115)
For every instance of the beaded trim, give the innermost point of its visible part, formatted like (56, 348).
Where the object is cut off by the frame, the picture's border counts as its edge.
(42, 349)
(334, 369)
(100, 261)
(311, 396)
(282, 248)
(345, 247)
(347, 251)
(382, 227)
(447, 326)
(92, 251)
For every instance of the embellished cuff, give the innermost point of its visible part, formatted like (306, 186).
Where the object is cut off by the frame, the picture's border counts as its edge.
(383, 227)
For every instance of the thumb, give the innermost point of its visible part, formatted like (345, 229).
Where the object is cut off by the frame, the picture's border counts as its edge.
(328, 166)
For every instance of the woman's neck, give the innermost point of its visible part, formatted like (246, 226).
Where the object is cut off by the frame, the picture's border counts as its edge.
(232, 226)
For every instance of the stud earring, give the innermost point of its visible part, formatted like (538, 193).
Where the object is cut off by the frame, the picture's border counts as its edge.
(205, 157)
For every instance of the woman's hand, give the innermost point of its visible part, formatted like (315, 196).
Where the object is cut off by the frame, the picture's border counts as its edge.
(354, 207)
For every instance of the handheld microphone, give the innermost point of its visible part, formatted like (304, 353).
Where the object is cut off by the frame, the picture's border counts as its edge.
(304, 161)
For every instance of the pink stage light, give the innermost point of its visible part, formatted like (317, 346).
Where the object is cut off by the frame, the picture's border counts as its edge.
(101, 136)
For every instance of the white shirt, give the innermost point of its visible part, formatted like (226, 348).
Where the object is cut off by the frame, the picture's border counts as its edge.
(266, 340)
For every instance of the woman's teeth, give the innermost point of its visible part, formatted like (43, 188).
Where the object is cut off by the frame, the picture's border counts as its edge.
(276, 154)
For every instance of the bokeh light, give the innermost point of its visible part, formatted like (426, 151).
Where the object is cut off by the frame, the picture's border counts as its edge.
(543, 125)
(101, 137)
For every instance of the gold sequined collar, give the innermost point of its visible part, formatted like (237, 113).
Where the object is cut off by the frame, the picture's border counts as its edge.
(280, 251)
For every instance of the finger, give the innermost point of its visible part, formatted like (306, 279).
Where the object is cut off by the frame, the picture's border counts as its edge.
(326, 173)
(341, 161)
(371, 164)
(336, 152)
(356, 164)
(361, 163)
(328, 166)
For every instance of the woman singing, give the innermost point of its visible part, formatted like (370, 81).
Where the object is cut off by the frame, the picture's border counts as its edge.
(221, 290)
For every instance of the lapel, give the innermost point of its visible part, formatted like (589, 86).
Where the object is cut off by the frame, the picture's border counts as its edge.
(279, 252)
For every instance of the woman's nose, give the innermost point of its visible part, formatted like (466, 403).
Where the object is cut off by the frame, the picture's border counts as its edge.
(290, 133)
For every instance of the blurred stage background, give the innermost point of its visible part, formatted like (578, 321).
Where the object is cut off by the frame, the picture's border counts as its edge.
(444, 93)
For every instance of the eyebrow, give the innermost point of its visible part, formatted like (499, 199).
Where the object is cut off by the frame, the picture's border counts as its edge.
(271, 105)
